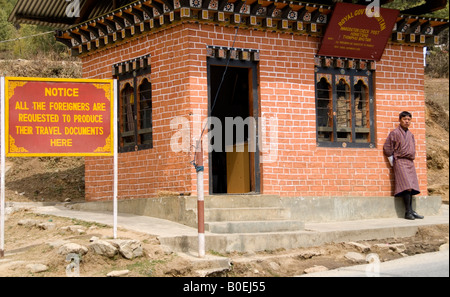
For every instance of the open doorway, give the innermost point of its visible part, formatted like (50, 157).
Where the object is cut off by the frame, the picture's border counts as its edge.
(234, 159)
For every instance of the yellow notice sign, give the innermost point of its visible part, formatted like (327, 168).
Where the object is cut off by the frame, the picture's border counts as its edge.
(59, 117)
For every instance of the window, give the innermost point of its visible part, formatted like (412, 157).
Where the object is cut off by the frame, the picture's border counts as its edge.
(344, 107)
(135, 105)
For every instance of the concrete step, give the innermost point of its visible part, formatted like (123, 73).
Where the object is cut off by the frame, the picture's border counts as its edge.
(245, 242)
(254, 226)
(238, 201)
(246, 214)
(209, 265)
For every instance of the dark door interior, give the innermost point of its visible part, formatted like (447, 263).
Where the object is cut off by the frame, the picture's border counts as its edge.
(232, 172)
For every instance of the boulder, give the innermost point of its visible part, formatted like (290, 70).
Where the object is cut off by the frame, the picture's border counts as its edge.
(315, 268)
(443, 247)
(74, 229)
(396, 247)
(72, 248)
(355, 257)
(118, 273)
(128, 248)
(103, 248)
(274, 266)
(360, 246)
(37, 268)
(28, 223)
(93, 238)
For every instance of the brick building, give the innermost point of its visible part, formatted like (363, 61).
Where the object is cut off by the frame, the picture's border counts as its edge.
(326, 117)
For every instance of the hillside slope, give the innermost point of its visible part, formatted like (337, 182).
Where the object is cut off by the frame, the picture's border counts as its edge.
(437, 125)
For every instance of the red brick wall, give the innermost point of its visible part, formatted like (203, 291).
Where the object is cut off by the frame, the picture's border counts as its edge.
(145, 173)
(400, 86)
(286, 77)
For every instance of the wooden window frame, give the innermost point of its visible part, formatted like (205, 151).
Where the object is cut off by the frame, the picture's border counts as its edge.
(135, 79)
(355, 135)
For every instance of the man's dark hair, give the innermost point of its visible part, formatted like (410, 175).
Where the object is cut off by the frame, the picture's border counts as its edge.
(405, 114)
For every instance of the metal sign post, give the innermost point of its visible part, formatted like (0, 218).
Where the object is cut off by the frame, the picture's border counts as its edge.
(3, 169)
(200, 202)
(116, 164)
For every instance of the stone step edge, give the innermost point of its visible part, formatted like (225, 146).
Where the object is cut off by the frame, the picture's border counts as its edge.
(247, 214)
(224, 227)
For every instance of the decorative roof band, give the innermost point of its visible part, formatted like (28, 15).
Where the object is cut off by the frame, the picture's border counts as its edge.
(268, 15)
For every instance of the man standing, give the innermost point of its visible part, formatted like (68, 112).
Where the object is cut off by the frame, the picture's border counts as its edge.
(401, 145)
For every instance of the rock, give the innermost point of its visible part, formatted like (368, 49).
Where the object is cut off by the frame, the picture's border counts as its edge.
(11, 209)
(363, 248)
(315, 268)
(398, 247)
(75, 229)
(28, 223)
(72, 248)
(309, 254)
(274, 266)
(383, 246)
(47, 226)
(93, 238)
(166, 250)
(355, 257)
(103, 248)
(37, 268)
(118, 273)
(128, 248)
(443, 247)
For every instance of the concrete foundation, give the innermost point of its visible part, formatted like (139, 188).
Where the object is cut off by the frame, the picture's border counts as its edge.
(226, 208)
(279, 221)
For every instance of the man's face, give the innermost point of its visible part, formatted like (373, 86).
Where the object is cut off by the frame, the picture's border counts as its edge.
(405, 122)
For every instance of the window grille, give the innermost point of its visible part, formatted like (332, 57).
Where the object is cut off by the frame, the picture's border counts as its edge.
(344, 107)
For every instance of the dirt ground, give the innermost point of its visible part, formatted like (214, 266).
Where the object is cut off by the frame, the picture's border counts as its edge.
(32, 245)
(62, 179)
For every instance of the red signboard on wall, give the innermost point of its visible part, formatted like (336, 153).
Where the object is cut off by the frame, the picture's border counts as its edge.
(354, 33)
(59, 117)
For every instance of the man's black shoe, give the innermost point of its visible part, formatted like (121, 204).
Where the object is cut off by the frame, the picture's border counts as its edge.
(409, 216)
(416, 215)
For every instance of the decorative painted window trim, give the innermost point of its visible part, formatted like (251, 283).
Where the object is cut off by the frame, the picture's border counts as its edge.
(222, 52)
